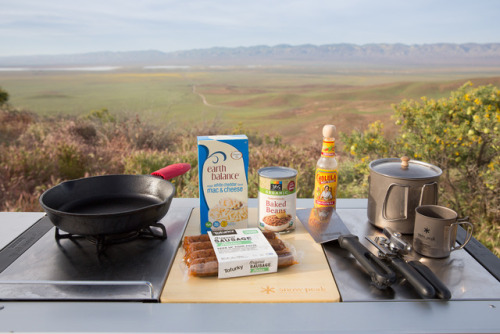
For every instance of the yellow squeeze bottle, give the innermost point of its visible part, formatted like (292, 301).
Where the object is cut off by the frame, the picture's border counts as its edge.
(325, 179)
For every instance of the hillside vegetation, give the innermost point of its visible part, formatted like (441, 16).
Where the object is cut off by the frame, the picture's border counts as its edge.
(290, 102)
(459, 133)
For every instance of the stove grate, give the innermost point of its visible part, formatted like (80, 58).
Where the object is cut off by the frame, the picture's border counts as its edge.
(102, 241)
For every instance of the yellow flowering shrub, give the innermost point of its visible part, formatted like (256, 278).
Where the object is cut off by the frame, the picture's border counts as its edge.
(460, 134)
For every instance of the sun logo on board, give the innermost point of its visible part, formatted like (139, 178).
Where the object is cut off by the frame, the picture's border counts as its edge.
(268, 290)
(427, 230)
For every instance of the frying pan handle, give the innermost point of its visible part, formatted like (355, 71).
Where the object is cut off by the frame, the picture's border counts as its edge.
(172, 171)
(382, 276)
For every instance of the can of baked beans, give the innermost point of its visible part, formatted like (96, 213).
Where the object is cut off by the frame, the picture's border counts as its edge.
(277, 199)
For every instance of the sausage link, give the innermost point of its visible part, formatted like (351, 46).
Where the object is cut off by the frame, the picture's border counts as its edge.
(195, 238)
(204, 267)
(277, 244)
(199, 254)
(286, 259)
(269, 235)
(199, 245)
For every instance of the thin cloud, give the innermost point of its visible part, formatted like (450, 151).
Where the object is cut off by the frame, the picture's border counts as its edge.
(60, 26)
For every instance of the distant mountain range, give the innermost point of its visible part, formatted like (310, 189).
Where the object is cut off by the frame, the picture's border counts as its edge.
(441, 54)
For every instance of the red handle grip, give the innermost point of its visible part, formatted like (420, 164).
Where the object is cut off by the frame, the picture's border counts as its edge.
(172, 171)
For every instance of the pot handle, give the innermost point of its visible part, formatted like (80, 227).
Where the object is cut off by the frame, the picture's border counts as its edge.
(386, 200)
(434, 193)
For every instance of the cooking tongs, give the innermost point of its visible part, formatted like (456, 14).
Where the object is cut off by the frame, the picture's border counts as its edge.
(393, 249)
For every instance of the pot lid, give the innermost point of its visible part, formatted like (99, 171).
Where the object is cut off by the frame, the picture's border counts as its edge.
(405, 168)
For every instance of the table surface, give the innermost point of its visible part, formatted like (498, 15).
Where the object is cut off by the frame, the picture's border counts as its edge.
(456, 316)
(460, 272)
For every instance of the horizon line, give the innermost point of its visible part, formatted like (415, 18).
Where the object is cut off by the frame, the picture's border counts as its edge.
(242, 47)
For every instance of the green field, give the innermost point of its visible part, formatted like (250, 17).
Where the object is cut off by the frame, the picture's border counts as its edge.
(289, 101)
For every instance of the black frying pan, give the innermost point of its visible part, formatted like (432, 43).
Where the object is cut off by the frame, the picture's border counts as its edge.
(111, 204)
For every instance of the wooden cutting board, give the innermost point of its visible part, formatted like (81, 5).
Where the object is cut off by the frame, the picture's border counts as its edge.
(308, 281)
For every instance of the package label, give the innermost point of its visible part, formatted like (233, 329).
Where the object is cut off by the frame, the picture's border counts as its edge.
(223, 182)
(325, 188)
(243, 252)
(277, 203)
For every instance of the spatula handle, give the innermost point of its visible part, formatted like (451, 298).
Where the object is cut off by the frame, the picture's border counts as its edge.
(442, 291)
(419, 283)
(381, 275)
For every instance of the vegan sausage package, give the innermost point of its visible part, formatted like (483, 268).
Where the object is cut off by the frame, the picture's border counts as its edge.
(234, 253)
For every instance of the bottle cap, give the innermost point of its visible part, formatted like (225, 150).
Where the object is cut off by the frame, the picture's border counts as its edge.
(329, 131)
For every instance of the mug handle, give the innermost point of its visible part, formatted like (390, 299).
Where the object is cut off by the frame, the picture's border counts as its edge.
(467, 237)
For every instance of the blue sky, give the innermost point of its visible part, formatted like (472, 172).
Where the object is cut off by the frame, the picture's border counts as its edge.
(66, 26)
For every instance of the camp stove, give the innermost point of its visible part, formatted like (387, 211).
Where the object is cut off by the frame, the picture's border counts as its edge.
(124, 267)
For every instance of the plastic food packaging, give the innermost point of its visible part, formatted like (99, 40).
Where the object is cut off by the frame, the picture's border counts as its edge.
(200, 260)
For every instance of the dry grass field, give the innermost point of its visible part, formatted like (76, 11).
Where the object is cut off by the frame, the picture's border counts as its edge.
(292, 102)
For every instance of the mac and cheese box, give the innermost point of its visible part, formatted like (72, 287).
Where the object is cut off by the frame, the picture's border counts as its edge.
(223, 182)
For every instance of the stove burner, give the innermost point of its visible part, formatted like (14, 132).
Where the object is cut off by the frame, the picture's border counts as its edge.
(102, 241)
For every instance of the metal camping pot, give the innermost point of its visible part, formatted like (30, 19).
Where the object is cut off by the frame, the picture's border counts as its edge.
(396, 188)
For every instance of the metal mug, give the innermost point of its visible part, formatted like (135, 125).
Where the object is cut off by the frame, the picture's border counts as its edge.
(435, 232)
